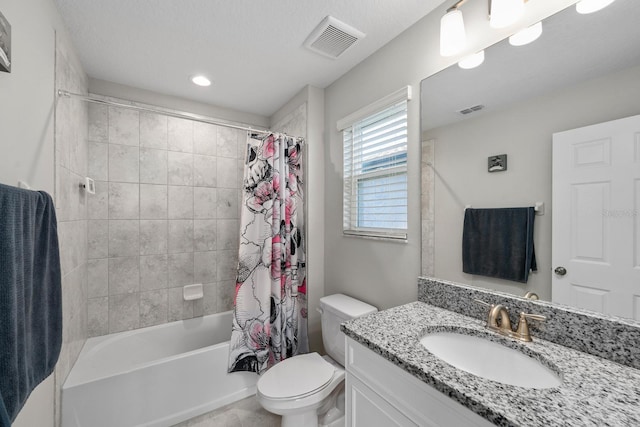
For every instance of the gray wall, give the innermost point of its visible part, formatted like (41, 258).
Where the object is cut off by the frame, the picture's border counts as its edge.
(524, 132)
(43, 142)
(384, 273)
(165, 214)
(303, 116)
(27, 107)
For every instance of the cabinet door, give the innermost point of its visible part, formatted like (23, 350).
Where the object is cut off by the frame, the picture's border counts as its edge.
(415, 402)
(366, 409)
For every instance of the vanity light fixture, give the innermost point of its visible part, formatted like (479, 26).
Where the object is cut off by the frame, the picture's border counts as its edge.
(505, 12)
(527, 35)
(472, 61)
(590, 6)
(453, 36)
(201, 80)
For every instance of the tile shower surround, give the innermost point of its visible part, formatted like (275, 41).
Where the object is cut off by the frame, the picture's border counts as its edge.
(165, 214)
(71, 118)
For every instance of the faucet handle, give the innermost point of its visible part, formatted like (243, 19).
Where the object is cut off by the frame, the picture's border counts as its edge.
(523, 326)
(479, 301)
(539, 317)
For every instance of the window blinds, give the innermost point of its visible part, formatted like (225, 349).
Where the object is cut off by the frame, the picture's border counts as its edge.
(375, 174)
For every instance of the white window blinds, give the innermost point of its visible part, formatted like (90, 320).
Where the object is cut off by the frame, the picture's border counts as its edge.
(375, 173)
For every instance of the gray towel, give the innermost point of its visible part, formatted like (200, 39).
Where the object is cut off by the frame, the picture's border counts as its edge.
(499, 243)
(4, 417)
(30, 295)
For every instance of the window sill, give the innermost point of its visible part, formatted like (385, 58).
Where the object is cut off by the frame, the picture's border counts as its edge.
(391, 237)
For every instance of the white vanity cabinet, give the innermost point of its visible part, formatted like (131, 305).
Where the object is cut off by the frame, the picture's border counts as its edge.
(378, 393)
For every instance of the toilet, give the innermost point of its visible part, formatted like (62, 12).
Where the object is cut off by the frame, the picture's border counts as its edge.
(308, 390)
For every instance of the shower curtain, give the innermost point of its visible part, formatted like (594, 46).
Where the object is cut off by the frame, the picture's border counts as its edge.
(270, 307)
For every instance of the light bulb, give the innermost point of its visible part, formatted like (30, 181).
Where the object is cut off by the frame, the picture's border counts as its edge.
(471, 61)
(201, 80)
(526, 35)
(590, 6)
(505, 12)
(452, 33)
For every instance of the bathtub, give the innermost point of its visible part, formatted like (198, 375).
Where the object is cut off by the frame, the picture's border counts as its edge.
(155, 376)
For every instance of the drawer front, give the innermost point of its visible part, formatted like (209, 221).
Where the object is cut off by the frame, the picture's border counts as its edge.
(418, 401)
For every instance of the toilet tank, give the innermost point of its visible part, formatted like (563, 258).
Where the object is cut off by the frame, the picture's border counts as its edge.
(336, 309)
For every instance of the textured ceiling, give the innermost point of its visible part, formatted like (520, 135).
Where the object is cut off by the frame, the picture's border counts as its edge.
(253, 50)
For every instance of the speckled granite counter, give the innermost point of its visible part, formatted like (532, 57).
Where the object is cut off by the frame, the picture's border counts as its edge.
(595, 391)
(605, 336)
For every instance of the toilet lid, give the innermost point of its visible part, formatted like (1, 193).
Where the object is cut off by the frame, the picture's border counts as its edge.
(293, 377)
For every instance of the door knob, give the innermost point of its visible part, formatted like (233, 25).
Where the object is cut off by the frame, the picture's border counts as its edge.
(560, 271)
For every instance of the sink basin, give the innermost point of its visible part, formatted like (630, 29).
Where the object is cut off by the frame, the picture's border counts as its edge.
(490, 360)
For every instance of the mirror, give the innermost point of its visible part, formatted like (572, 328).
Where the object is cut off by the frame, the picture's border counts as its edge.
(583, 70)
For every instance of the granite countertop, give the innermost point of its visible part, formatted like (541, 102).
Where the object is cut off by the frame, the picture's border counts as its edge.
(594, 392)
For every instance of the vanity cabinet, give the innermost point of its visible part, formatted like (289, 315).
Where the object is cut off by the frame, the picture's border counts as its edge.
(378, 393)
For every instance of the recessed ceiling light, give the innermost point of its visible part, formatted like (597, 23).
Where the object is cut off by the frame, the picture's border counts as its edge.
(526, 35)
(472, 61)
(201, 80)
(590, 6)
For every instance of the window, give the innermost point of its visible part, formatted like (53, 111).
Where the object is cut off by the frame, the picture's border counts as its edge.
(375, 169)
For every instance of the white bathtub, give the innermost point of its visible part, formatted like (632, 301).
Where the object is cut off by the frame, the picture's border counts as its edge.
(156, 376)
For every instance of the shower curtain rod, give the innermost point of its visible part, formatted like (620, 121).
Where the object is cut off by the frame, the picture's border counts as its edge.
(197, 118)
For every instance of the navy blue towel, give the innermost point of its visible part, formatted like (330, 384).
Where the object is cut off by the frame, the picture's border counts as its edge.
(499, 243)
(4, 416)
(30, 296)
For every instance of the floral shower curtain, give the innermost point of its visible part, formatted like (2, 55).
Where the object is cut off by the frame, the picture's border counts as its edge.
(270, 314)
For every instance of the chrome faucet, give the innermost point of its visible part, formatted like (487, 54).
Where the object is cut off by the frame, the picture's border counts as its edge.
(498, 320)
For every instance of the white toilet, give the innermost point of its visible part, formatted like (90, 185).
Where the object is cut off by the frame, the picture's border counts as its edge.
(308, 390)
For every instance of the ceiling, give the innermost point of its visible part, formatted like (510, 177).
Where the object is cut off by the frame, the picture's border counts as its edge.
(252, 50)
(573, 48)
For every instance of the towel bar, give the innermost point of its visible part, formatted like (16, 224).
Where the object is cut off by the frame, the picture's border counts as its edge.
(538, 207)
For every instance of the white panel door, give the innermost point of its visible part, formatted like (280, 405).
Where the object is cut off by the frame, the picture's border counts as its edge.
(596, 217)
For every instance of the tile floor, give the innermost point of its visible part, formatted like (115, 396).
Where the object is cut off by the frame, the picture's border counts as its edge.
(244, 413)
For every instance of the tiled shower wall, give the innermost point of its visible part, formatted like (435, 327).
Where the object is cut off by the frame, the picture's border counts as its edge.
(165, 214)
(71, 208)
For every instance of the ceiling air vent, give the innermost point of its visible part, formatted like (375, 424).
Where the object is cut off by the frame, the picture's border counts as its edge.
(471, 109)
(332, 38)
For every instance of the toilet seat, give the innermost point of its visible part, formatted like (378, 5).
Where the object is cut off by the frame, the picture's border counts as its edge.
(295, 378)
